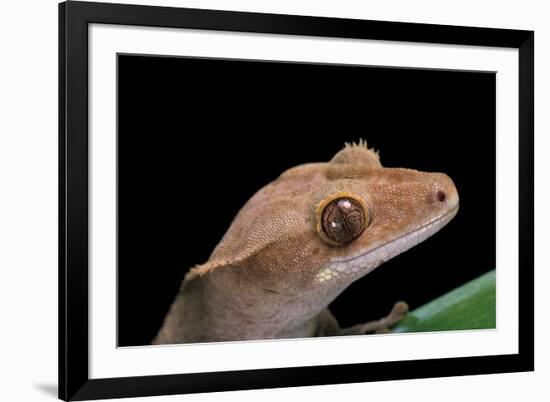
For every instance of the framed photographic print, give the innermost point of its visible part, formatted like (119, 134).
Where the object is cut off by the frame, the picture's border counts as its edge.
(256, 200)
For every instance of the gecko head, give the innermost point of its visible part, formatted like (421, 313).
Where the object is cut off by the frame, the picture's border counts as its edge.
(367, 214)
(321, 226)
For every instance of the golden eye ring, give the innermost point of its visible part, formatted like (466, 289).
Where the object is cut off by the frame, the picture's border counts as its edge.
(342, 217)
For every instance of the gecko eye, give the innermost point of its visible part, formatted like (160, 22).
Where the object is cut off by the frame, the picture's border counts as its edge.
(343, 220)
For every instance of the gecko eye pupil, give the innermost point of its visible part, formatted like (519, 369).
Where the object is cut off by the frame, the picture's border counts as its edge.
(343, 220)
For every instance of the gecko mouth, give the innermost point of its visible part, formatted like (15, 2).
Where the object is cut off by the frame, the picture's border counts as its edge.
(369, 260)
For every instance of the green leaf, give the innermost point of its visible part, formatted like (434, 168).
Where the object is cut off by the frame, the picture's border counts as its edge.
(470, 306)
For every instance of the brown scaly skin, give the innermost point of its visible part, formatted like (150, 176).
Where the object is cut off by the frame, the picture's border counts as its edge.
(276, 270)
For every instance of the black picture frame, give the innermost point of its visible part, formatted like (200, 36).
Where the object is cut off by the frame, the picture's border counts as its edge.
(74, 380)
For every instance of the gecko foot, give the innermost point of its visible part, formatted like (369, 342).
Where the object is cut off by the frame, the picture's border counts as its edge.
(398, 312)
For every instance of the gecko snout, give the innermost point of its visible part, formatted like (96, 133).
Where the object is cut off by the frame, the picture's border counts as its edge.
(445, 191)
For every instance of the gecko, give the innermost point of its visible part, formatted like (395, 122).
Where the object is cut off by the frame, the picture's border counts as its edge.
(300, 241)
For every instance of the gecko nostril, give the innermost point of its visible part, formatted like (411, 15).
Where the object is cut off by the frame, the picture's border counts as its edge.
(441, 196)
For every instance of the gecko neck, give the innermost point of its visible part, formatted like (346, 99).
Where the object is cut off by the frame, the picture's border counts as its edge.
(223, 307)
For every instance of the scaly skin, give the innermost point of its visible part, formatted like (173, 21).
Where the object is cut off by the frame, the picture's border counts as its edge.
(275, 271)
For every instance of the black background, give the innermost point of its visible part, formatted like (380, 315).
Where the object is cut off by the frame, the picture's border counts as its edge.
(198, 137)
